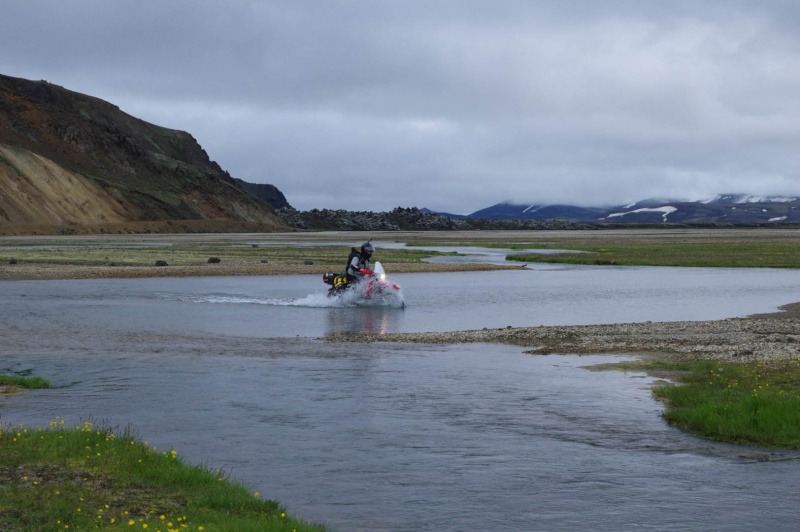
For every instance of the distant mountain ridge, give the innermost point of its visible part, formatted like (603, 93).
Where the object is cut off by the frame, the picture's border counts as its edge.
(73, 162)
(70, 162)
(727, 199)
(723, 208)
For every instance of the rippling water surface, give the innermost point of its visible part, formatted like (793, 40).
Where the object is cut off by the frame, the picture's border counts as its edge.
(228, 371)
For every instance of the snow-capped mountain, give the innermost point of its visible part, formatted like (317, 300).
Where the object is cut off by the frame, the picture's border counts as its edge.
(728, 199)
(723, 208)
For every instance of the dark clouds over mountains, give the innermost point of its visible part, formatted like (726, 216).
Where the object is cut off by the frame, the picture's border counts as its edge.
(454, 105)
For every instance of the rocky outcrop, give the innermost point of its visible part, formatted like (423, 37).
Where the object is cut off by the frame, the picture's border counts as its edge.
(407, 219)
(71, 159)
(269, 194)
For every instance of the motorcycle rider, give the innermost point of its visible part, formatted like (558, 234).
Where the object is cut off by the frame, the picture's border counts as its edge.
(359, 267)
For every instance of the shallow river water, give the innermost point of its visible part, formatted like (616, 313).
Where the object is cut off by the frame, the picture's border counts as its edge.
(229, 372)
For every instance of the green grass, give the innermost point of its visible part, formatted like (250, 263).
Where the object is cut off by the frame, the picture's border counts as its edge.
(745, 403)
(716, 250)
(702, 254)
(83, 478)
(32, 383)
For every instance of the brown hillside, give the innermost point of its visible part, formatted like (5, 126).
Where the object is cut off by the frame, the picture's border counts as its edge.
(71, 160)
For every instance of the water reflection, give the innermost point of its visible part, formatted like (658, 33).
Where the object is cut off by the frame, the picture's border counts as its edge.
(370, 320)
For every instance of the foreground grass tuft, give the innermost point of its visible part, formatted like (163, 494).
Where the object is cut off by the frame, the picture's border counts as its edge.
(84, 478)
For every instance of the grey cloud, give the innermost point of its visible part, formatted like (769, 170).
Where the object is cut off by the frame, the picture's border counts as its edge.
(453, 105)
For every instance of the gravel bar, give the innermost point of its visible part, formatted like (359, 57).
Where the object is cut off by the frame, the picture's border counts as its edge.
(766, 338)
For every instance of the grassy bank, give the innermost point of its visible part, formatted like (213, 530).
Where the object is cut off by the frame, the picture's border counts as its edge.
(702, 254)
(88, 477)
(188, 253)
(749, 403)
(674, 247)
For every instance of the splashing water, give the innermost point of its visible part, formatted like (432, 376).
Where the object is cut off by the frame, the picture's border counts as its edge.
(351, 298)
(377, 293)
(360, 295)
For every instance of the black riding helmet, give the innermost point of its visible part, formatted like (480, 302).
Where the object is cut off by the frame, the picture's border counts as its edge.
(367, 249)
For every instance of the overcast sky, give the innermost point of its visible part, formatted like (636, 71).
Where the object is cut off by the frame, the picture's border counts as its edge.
(451, 105)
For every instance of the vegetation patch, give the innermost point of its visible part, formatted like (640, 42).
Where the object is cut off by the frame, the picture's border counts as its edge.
(751, 403)
(32, 383)
(13, 384)
(660, 250)
(697, 254)
(194, 254)
(87, 477)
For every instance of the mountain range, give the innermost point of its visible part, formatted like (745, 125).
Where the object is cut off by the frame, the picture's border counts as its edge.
(722, 209)
(73, 163)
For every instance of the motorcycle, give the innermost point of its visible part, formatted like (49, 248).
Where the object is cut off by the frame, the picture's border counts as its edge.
(373, 290)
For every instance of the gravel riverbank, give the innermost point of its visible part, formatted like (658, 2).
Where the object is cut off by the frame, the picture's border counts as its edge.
(767, 337)
(43, 272)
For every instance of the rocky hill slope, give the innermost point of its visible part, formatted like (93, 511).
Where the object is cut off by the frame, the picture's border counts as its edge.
(74, 163)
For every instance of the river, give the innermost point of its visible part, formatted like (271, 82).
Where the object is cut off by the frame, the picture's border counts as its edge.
(231, 372)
